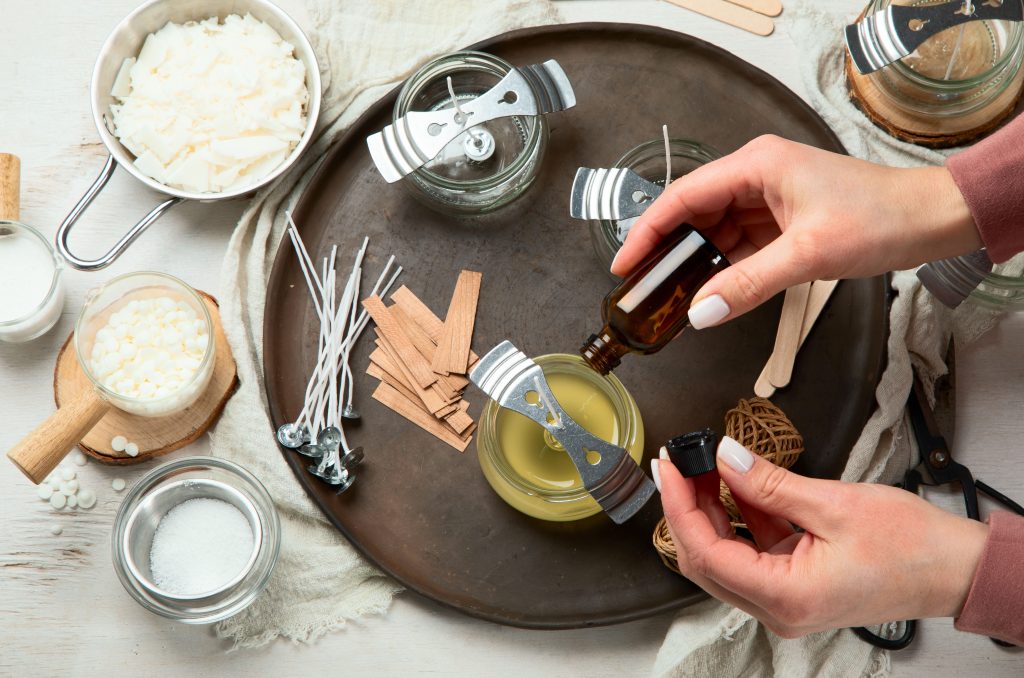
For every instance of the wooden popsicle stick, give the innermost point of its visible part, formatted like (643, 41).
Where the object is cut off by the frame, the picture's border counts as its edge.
(10, 187)
(452, 355)
(398, 403)
(421, 314)
(787, 340)
(731, 14)
(821, 291)
(399, 343)
(766, 7)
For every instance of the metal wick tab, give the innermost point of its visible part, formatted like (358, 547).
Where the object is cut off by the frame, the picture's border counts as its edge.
(609, 474)
(419, 136)
(616, 194)
(890, 34)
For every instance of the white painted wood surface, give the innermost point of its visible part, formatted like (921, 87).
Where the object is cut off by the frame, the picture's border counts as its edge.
(62, 610)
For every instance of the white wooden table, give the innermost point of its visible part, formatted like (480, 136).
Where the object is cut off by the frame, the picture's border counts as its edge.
(62, 610)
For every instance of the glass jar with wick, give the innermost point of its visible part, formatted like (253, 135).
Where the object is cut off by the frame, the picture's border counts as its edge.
(528, 468)
(648, 160)
(490, 164)
(955, 72)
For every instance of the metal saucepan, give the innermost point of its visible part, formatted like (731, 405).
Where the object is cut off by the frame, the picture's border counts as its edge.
(125, 42)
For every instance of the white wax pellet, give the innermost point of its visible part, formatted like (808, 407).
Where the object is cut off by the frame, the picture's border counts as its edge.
(69, 487)
(56, 529)
(72, 501)
(58, 500)
(131, 449)
(44, 491)
(117, 443)
(67, 474)
(78, 458)
(167, 304)
(54, 481)
(104, 334)
(117, 484)
(86, 499)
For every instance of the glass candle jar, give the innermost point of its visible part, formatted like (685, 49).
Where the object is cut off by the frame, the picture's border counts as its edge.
(528, 468)
(126, 293)
(31, 288)
(648, 160)
(998, 290)
(487, 166)
(955, 72)
(167, 487)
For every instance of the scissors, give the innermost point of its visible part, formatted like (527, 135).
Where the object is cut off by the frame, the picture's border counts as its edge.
(935, 469)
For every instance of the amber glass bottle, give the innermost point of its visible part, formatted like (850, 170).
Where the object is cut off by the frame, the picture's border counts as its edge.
(648, 309)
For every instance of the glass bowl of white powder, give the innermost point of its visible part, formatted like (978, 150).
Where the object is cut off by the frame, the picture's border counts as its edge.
(196, 540)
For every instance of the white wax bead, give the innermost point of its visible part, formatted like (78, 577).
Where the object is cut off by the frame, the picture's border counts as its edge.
(131, 449)
(146, 389)
(144, 337)
(124, 386)
(166, 303)
(67, 473)
(98, 352)
(191, 343)
(56, 529)
(78, 458)
(58, 500)
(145, 305)
(203, 340)
(127, 350)
(54, 482)
(44, 491)
(132, 306)
(72, 501)
(117, 484)
(117, 443)
(121, 330)
(104, 334)
(172, 337)
(161, 392)
(171, 384)
(87, 499)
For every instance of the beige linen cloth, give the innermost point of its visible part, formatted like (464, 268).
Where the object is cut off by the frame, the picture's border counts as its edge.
(713, 639)
(365, 48)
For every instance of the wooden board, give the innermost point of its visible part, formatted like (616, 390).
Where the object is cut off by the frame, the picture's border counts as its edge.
(154, 435)
(425, 514)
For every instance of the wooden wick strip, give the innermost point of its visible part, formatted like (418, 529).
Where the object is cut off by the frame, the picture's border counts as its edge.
(459, 420)
(401, 346)
(787, 340)
(398, 403)
(423, 343)
(452, 355)
(766, 7)
(421, 314)
(430, 398)
(731, 14)
(821, 291)
(381, 374)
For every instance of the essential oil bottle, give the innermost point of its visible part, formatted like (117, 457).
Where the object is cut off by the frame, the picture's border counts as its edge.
(649, 308)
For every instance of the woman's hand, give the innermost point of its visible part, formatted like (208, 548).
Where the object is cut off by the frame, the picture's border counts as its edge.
(869, 553)
(784, 213)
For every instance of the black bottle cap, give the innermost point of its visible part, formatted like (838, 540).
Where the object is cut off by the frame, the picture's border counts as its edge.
(694, 453)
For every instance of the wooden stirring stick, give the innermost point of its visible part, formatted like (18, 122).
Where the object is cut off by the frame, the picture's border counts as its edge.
(821, 291)
(766, 7)
(787, 340)
(731, 14)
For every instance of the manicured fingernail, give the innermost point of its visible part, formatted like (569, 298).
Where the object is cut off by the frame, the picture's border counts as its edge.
(655, 473)
(736, 457)
(615, 259)
(708, 312)
(663, 453)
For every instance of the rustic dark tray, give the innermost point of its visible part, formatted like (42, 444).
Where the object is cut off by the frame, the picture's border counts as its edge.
(424, 513)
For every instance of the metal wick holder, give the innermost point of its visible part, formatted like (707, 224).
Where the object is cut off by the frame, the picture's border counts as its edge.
(883, 37)
(609, 474)
(416, 138)
(615, 194)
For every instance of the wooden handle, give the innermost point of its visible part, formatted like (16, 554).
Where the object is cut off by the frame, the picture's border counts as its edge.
(731, 14)
(787, 341)
(766, 7)
(821, 291)
(10, 187)
(40, 451)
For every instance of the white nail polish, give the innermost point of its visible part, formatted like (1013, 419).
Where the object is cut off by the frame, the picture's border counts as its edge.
(736, 457)
(663, 453)
(708, 312)
(655, 473)
(615, 258)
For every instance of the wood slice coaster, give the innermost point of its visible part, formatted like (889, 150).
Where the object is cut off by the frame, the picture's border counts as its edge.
(154, 435)
(929, 131)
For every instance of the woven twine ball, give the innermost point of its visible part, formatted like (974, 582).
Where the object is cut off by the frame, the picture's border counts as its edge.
(765, 430)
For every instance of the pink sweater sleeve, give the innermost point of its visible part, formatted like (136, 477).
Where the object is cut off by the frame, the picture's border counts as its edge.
(990, 176)
(995, 603)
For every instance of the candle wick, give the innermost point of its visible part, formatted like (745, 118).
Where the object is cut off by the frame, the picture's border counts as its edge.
(557, 420)
(462, 117)
(668, 156)
(956, 49)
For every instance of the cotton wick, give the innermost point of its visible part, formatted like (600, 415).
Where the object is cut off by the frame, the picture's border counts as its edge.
(462, 117)
(668, 156)
(552, 412)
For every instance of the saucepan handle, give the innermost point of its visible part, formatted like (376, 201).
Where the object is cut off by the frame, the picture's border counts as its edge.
(65, 228)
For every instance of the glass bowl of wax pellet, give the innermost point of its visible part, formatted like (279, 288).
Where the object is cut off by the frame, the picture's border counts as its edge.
(146, 341)
(648, 160)
(196, 540)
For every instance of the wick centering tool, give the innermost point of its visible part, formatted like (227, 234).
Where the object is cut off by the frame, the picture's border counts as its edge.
(609, 474)
(615, 194)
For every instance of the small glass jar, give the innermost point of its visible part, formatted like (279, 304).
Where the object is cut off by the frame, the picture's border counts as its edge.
(154, 496)
(487, 166)
(648, 160)
(115, 295)
(996, 290)
(528, 468)
(942, 79)
(32, 312)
